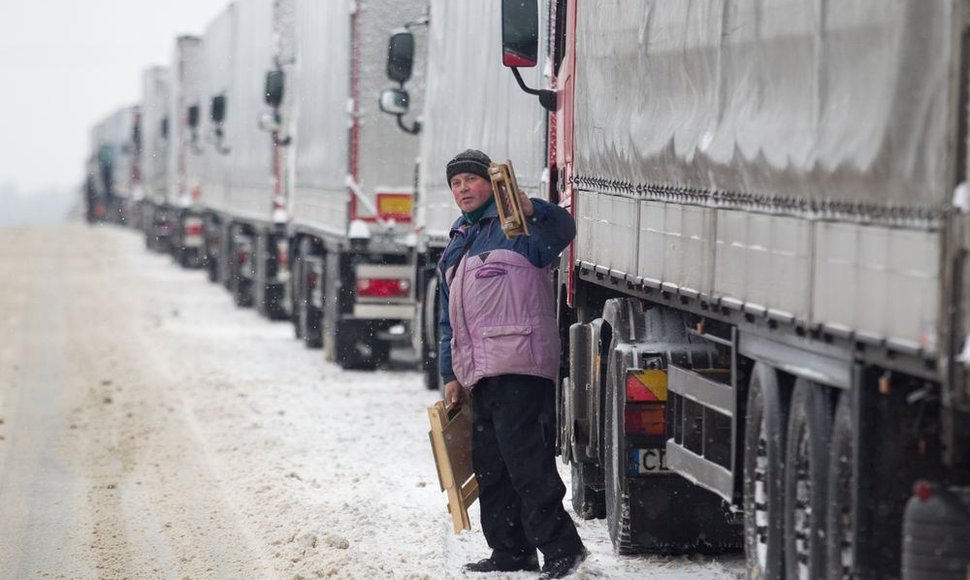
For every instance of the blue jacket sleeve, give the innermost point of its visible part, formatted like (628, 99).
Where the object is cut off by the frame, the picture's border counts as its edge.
(552, 229)
(444, 326)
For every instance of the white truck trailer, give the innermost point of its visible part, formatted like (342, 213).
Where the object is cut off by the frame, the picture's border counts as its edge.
(470, 101)
(245, 243)
(185, 152)
(352, 182)
(113, 182)
(768, 290)
(217, 46)
(154, 157)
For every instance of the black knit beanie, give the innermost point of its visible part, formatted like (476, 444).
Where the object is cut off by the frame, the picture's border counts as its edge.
(468, 161)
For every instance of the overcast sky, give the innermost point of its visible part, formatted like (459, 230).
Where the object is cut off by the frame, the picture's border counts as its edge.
(65, 64)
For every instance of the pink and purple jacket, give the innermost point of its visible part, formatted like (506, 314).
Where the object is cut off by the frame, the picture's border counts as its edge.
(498, 304)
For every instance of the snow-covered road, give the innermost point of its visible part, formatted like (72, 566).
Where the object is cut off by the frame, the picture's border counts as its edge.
(149, 429)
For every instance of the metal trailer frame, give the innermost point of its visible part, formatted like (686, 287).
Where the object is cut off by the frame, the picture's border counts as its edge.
(784, 214)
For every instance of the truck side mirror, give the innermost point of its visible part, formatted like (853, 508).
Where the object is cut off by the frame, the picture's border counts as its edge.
(193, 114)
(400, 56)
(163, 128)
(273, 91)
(520, 44)
(395, 101)
(520, 33)
(217, 109)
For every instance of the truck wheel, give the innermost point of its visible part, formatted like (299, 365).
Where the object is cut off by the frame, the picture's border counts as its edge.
(353, 344)
(764, 452)
(806, 481)
(838, 517)
(296, 294)
(310, 317)
(588, 503)
(617, 495)
(240, 286)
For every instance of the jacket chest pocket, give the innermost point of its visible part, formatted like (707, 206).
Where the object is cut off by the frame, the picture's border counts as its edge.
(508, 348)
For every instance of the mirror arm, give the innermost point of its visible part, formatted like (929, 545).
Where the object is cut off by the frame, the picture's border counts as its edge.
(547, 98)
(282, 142)
(413, 130)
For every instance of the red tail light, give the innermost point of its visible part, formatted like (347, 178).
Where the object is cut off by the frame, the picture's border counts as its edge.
(646, 407)
(193, 230)
(646, 419)
(383, 287)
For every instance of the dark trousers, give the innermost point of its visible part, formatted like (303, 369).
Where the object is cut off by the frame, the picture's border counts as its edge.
(513, 453)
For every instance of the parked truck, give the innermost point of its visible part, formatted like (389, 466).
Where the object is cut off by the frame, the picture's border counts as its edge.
(766, 300)
(217, 46)
(112, 176)
(244, 220)
(469, 102)
(185, 153)
(352, 183)
(154, 158)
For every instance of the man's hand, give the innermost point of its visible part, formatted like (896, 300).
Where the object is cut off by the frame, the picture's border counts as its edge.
(526, 204)
(453, 393)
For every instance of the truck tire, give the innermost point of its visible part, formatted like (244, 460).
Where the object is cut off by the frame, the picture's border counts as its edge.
(841, 552)
(239, 286)
(588, 501)
(764, 452)
(617, 495)
(806, 480)
(211, 257)
(357, 347)
(310, 318)
(296, 294)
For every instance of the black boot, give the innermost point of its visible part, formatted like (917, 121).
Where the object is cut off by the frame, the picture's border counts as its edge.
(562, 567)
(504, 564)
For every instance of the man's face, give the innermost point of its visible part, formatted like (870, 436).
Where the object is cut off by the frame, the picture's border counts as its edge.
(470, 191)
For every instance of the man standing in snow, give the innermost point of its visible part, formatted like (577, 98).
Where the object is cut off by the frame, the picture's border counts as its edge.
(500, 346)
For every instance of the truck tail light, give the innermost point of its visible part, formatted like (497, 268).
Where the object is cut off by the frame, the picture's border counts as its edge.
(383, 287)
(646, 419)
(193, 229)
(646, 402)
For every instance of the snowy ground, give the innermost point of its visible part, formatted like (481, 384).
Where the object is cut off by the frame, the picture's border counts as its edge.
(149, 429)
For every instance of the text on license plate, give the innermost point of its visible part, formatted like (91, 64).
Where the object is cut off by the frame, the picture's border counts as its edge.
(647, 461)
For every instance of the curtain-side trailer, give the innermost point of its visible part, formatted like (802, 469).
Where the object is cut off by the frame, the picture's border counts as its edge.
(243, 222)
(469, 102)
(217, 46)
(768, 288)
(185, 152)
(154, 157)
(352, 181)
(112, 180)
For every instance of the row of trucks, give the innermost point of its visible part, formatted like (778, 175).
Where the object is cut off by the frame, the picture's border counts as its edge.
(266, 161)
(765, 310)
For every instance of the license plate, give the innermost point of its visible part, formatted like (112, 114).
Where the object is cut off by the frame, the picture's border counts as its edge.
(647, 461)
